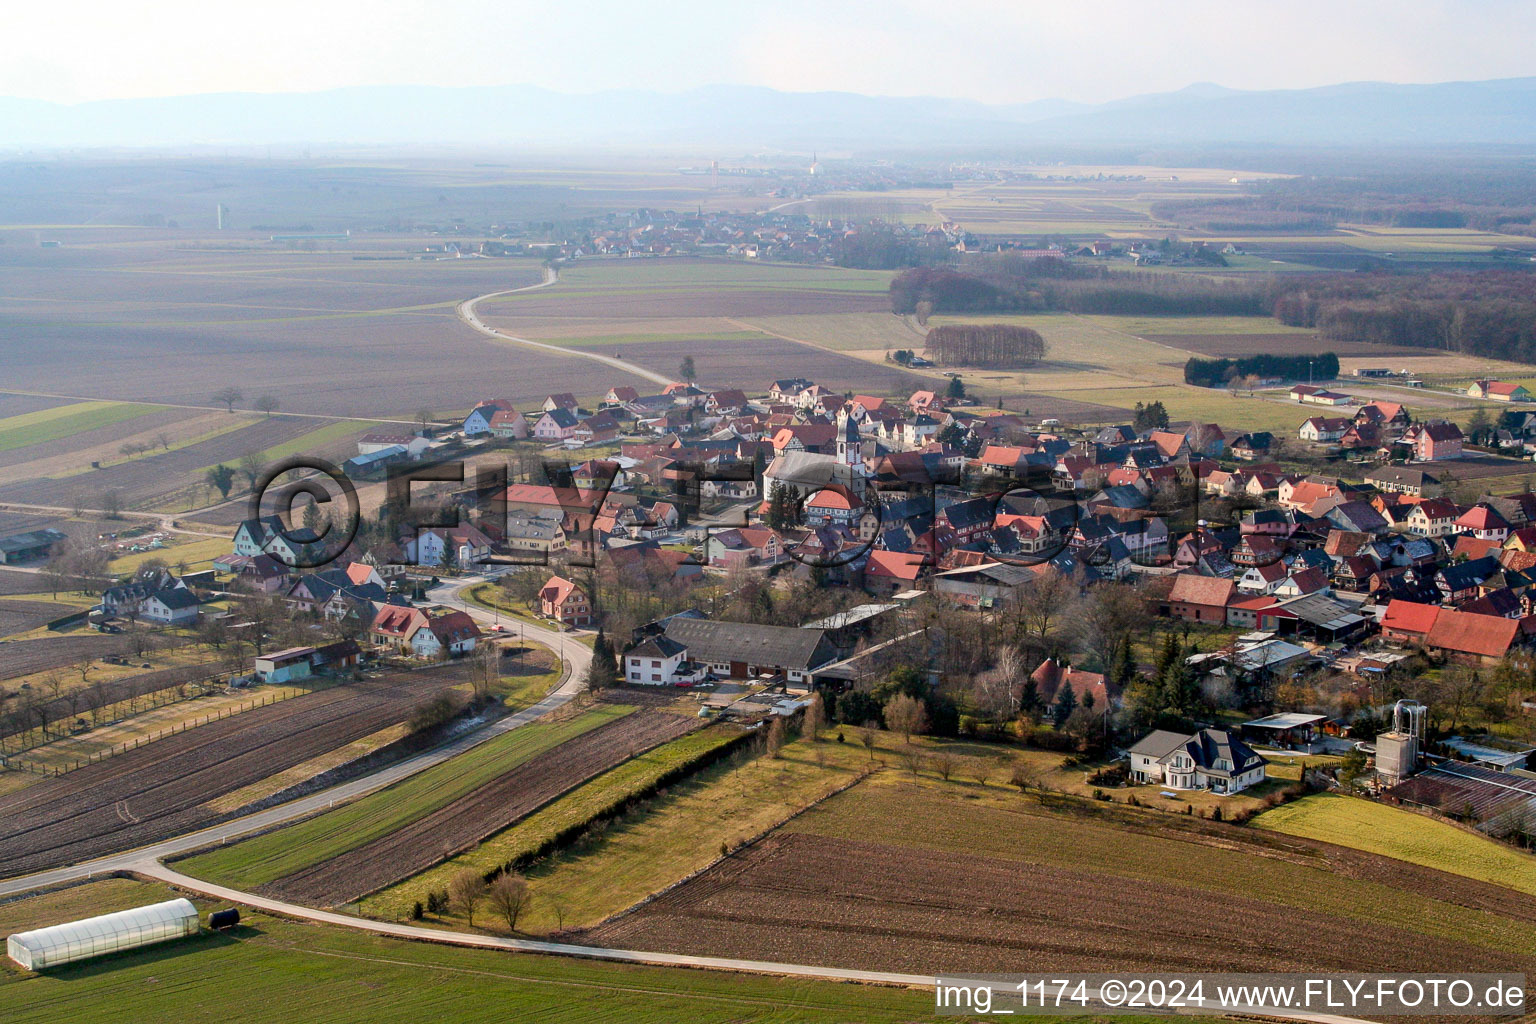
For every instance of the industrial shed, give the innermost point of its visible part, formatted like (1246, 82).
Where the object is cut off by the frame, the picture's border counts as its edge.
(97, 936)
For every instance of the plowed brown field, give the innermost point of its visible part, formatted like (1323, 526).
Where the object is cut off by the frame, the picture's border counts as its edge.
(160, 789)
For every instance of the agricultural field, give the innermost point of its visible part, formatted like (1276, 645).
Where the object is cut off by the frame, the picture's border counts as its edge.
(1403, 835)
(582, 807)
(338, 975)
(456, 825)
(158, 322)
(151, 480)
(910, 873)
(266, 859)
(655, 312)
(162, 788)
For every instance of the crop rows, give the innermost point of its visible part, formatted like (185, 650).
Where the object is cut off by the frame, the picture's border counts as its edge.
(471, 818)
(847, 903)
(159, 790)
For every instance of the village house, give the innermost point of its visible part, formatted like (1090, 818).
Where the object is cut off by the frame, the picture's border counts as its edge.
(660, 661)
(565, 601)
(1319, 429)
(1403, 480)
(1211, 759)
(556, 425)
(1438, 441)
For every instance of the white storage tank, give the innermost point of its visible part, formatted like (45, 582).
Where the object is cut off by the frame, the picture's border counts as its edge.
(96, 936)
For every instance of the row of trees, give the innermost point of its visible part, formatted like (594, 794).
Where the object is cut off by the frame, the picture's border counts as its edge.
(1022, 286)
(1214, 373)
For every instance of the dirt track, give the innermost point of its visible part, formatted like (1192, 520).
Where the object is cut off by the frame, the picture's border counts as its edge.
(511, 796)
(159, 790)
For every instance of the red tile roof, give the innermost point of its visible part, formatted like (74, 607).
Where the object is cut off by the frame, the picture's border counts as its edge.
(1468, 633)
(1409, 617)
(1213, 591)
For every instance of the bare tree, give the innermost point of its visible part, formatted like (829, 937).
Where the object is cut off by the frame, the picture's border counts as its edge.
(509, 897)
(906, 715)
(1048, 603)
(465, 891)
(228, 396)
(774, 739)
(112, 504)
(163, 440)
(268, 404)
(1107, 618)
(815, 719)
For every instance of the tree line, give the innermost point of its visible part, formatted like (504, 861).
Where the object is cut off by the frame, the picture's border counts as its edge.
(1036, 285)
(1213, 373)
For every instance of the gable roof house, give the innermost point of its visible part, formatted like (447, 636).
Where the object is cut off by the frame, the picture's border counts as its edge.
(1211, 759)
(1480, 639)
(1434, 442)
(556, 425)
(565, 601)
(741, 650)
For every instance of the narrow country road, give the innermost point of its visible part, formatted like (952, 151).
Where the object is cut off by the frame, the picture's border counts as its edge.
(574, 655)
(467, 314)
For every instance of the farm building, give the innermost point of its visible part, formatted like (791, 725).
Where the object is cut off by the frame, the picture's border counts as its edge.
(97, 936)
(1290, 731)
(1473, 791)
(32, 546)
(740, 649)
(285, 666)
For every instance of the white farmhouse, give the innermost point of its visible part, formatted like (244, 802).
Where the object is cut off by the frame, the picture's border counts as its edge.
(1212, 759)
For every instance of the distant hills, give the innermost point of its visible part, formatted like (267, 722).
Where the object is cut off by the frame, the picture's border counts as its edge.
(1500, 112)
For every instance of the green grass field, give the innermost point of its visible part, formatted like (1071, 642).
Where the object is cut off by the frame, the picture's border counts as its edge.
(1378, 828)
(196, 553)
(269, 857)
(307, 443)
(275, 971)
(576, 808)
(65, 421)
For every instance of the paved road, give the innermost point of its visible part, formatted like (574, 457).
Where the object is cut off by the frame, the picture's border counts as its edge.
(154, 869)
(467, 314)
(575, 657)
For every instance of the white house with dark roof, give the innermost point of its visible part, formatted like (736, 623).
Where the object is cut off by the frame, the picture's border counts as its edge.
(660, 661)
(1211, 759)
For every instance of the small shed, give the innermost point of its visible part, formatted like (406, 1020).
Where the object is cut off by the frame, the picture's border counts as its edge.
(1288, 731)
(284, 666)
(97, 936)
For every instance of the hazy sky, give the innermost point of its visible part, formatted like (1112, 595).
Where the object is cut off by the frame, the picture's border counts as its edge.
(1011, 51)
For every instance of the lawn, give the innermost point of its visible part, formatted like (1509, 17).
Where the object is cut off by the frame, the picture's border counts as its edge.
(272, 856)
(66, 420)
(275, 971)
(1404, 835)
(195, 554)
(583, 805)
